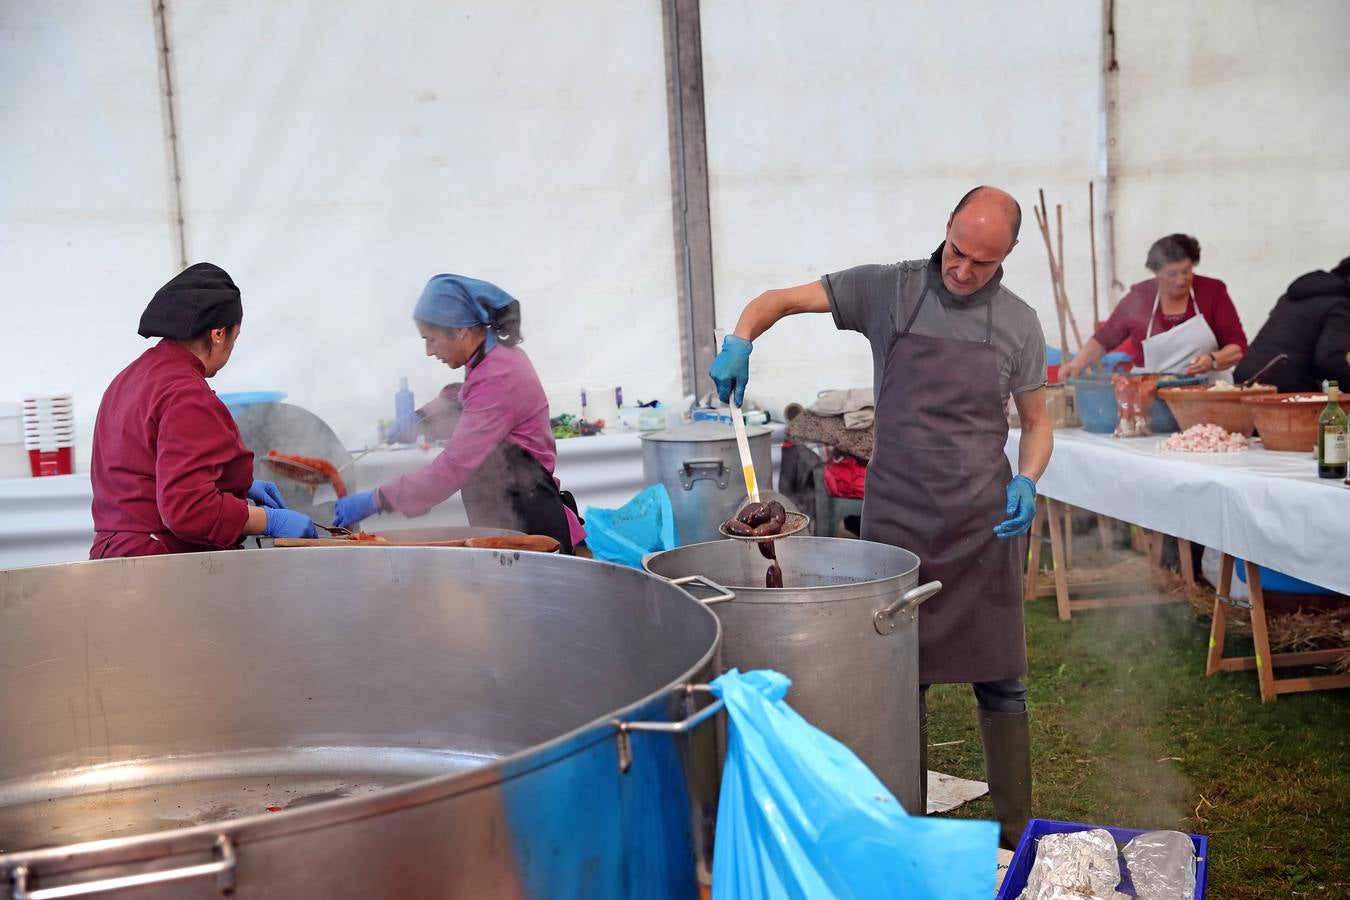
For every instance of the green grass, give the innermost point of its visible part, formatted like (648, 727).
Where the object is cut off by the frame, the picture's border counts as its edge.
(1127, 731)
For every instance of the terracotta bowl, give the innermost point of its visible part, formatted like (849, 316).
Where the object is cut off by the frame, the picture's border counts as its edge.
(1289, 421)
(1201, 405)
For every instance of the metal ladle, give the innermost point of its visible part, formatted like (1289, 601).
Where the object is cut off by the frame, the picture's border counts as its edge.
(1278, 358)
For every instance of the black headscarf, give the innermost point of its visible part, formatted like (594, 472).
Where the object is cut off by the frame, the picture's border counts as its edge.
(199, 298)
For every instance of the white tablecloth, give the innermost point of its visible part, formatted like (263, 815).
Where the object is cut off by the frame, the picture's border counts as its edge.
(1268, 507)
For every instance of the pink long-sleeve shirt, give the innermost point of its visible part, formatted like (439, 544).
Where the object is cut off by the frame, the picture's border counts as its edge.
(501, 399)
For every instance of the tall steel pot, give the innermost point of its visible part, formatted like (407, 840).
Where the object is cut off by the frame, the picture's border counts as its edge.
(701, 469)
(843, 628)
(375, 722)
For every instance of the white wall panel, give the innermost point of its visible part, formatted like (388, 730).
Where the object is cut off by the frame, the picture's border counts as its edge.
(338, 154)
(1235, 127)
(85, 228)
(844, 133)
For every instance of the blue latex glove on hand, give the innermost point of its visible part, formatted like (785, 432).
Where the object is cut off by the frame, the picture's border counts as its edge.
(267, 495)
(288, 523)
(730, 371)
(1021, 508)
(404, 431)
(352, 509)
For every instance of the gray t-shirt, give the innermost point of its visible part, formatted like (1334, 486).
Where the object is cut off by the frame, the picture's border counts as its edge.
(877, 300)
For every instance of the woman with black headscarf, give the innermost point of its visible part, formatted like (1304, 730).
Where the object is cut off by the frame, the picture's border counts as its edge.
(170, 472)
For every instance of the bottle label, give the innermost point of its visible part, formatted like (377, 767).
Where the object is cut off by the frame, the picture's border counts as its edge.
(1334, 448)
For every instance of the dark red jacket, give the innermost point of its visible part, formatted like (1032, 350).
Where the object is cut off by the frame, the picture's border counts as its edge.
(168, 461)
(1130, 317)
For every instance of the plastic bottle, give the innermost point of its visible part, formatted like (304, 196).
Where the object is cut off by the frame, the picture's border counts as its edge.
(403, 402)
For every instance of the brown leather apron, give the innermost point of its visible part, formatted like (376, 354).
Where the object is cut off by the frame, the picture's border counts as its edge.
(936, 486)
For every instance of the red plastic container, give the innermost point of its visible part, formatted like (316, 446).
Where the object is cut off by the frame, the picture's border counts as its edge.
(1052, 374)
(51, 462)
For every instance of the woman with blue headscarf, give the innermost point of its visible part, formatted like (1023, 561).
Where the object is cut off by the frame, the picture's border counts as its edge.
(500, 453)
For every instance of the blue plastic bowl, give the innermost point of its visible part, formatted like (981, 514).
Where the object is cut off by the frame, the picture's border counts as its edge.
(241, 399)
(1016, 879)
(1095, 400)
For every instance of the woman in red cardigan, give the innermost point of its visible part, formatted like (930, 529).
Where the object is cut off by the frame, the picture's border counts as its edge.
(1180, 322)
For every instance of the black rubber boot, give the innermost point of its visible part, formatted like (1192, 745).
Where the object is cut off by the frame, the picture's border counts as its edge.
(1007, 767)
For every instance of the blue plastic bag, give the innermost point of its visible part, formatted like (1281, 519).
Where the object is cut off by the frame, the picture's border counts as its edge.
(643, 525)
(801, 817)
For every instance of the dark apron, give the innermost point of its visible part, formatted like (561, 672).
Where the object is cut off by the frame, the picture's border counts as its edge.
(512, 489)
(936, 486)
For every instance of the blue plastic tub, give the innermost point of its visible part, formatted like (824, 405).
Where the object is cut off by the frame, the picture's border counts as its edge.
(1016, 879)
(1278, 581)
(1095, 400)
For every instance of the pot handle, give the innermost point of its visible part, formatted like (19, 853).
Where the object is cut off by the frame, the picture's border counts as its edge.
(713, 469)
(721, 594)
(684, 725)
(222, 868)
(884, 619)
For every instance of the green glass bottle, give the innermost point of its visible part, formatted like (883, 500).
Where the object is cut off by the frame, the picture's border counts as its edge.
(1331, 436)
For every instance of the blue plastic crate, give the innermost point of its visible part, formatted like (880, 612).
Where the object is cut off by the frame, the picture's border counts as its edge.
(1016, 879)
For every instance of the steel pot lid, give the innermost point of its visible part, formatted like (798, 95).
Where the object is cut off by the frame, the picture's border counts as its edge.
(698, 432)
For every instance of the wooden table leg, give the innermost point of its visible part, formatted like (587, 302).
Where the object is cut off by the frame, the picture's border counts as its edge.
(1034, 552)
(1105, 531)
(1187, 563)
(1219, 626)
(1153, 541)
(1068, 535)
(1265, 668)
(1056, 518)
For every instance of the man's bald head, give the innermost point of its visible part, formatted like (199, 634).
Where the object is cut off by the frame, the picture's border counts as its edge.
(981, 231)
(999, 202)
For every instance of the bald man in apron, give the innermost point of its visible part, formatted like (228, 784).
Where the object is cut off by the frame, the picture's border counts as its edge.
(950, 344)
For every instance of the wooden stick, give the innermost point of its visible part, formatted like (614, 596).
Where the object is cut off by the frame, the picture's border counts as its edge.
(1042, 222)
(1063, 290)
(1092, 238)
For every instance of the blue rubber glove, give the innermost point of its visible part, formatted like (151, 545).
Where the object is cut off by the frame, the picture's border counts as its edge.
(266, 494)
(352, 509)
(288, 523)
(730, 371)
(404, 431)
(1021, 508)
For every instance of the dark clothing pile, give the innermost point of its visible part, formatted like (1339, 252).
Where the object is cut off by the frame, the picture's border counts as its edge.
(1311, 323)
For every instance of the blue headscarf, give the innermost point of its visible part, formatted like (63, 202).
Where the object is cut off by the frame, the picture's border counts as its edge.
(457, 301)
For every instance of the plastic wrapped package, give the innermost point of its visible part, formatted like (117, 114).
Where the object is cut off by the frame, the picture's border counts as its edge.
(1134, 401)
(1078, 865)
(801, 817)
(1161, 865)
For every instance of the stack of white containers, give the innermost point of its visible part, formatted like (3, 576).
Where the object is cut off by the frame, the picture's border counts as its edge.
(49, 433)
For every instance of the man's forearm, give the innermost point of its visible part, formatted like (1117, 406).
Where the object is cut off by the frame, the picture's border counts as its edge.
(760, 314)
(1035, 447)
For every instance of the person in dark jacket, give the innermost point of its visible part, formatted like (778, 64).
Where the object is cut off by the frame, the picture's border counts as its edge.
(1310, 323)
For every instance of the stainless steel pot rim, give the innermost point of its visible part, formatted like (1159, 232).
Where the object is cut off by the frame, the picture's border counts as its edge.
(765, 595)
(264, 826)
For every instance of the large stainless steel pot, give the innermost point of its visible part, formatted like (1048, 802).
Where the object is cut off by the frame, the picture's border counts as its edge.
(843, 627)
(383, 722)
(701, 469)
